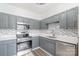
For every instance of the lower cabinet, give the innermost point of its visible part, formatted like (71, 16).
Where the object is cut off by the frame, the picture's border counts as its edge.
(8, 48)
(3, 51)
(48, 45)
(11, 49)
(35, 42)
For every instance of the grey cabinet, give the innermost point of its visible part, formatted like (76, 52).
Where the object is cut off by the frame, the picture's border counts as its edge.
(20, 19)
(11, 48)
(48, 45)
(34, 24)
(72, 18)
(3, 51)
(42, 42)
(69, 20)
(43, 25)
(62, 20)
(7, 21)
(26, 20)
(3, 21)
(12, 22)
(35, 42)
(51, 19)
(8, 48)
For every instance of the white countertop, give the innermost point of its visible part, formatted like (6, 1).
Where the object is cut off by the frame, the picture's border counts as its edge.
(7, 35)
(67, 39)
(63, 38)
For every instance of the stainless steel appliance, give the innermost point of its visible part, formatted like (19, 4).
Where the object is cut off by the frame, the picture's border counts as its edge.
(23, 40)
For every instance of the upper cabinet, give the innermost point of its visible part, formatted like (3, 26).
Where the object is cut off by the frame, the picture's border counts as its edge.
(34, 24)
(69, 20)
(20, 19)
(12, 22)
(7, 21)
(51, 19)
(72, 18)
(3, 21)
(62, 20)
(43, 25)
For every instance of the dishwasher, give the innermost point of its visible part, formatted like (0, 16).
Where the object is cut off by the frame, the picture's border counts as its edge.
(64, 49)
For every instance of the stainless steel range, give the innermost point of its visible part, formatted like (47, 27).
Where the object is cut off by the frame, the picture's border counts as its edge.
(23, 39)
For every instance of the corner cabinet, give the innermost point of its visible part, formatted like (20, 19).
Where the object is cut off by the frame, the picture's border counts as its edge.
(35, 42)
(48, 45)
(8, 48)
(43, 25)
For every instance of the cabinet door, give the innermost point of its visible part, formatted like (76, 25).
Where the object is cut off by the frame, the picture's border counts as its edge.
(51, 19)
(48, 45)
(3, 50)
(52, 47)
(35, 42)
(43, 43)
(11, 48)
(12, 22)
(43, 25)
(36, 24)
(72, 18)
(26, 20)
(19, 19)
(3, 21)
(62, 19)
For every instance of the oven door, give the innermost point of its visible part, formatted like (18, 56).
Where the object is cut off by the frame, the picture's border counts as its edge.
(24, 45)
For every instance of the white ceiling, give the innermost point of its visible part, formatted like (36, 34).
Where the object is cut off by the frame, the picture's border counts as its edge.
(34, 7)
(45, 10)
(40, 9)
